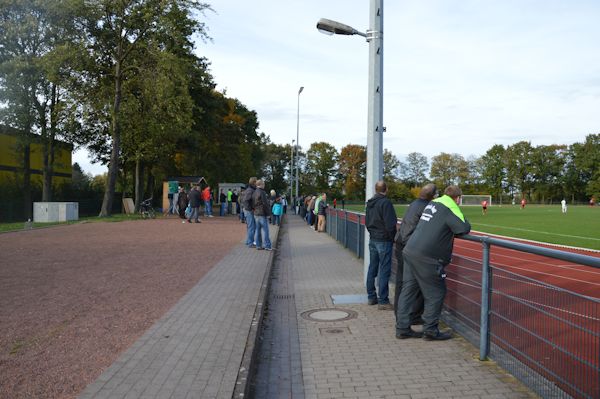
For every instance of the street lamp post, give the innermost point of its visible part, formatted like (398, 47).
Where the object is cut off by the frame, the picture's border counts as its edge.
(291, 201)
(374, 37)
(297, 143)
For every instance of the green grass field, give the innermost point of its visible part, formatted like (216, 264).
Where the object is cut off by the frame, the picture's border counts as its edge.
(579, 227)
(4, 227)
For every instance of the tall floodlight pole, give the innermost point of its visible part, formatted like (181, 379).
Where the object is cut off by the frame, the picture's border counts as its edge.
(291, 201)
(374, 37)
(297, 143)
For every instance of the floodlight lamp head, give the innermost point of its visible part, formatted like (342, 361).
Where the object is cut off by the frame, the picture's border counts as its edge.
(300, 90)
(330, 27)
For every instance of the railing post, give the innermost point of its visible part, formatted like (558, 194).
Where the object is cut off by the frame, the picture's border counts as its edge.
(358, 237)
(336, 225)
(486, 302)
(345, 229)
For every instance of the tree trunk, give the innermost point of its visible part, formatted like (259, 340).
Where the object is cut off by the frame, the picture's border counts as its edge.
(113, 168)
(139, 185)
(27, 203)
(49, 142)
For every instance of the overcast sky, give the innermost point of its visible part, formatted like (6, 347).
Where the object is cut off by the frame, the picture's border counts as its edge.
(459, 75)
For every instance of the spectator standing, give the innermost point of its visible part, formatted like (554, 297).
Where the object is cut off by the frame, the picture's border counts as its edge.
(241, 213)
(426, 254)
(277, 211)
(380, 221)
(194, 201)
(334, 203)
(262, 210)
(284, 204)
(229, 199)
(310, 209)
(206, 197)
(322, 214)
(182, 202)
(272, 197)
(315, 213)
(234, 203)
(248, 205)
(222, 203)
(592, 201)
(408, 225)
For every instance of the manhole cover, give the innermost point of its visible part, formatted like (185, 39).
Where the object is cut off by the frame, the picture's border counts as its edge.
(329, 315)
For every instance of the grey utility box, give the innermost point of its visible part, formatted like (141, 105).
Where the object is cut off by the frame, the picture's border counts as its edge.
(47, 212)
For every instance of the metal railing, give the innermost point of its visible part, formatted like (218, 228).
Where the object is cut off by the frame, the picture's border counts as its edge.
(545, 335)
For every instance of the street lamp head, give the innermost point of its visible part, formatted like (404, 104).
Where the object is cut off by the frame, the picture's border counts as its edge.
(300, 90)
(330, 27)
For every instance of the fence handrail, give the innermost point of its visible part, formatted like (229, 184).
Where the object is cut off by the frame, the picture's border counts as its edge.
(534, 249)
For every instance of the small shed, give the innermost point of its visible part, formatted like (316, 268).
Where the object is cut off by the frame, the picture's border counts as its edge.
(226, 186)
(172, 184)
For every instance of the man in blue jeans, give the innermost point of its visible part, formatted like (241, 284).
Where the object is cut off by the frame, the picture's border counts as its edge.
(380, 221)
(248, 205)
(262, 211)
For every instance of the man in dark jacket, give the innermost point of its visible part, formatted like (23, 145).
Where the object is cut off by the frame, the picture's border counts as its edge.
(426, 254)
(381, 222)
(408, 225)
(262, 211)
(248, 206)
(194, 198)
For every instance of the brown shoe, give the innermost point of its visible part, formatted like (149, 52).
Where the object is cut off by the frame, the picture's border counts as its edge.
(385, 306)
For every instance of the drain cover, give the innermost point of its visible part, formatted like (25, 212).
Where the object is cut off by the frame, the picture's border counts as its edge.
(329, 315)
(334, 330)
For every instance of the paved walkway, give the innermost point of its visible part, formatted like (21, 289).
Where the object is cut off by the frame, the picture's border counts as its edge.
(361, 357)
(202, 347)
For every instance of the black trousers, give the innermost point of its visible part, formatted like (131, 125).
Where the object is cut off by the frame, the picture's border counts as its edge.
(418, 304)
(427, 275)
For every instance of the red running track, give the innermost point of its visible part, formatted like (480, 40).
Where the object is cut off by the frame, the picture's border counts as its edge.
(553, 331)
(584, 280)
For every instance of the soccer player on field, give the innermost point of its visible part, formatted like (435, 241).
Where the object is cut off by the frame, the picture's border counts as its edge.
(563, 205)
(484, 205)
(523, 202)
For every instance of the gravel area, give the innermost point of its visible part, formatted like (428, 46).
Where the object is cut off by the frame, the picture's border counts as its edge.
(72, 298)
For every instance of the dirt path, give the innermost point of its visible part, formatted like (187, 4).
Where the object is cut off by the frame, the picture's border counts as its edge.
(72, 298)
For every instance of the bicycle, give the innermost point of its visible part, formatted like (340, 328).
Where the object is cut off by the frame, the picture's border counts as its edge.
(146, 210)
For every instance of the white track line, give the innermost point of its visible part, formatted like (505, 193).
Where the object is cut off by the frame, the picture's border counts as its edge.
(536, 231)
(497, 264)
(538, 304)
(567, 266)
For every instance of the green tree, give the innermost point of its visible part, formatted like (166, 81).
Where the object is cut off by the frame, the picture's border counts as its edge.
(587, 159)
(321, 162)
(414, 171)
(448, 169)
(157, 111)
(116, 32)
(391, 166)
(275, 167)
(352, 171)
(519, 167)
(494, 170)
(548, 163)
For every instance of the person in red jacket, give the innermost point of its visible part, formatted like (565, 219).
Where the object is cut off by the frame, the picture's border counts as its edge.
(206, 197)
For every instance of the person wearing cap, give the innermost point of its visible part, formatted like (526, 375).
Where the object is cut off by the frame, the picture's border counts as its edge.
(426, 254)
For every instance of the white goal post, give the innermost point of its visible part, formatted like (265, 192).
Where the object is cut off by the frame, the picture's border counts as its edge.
(475, 200)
